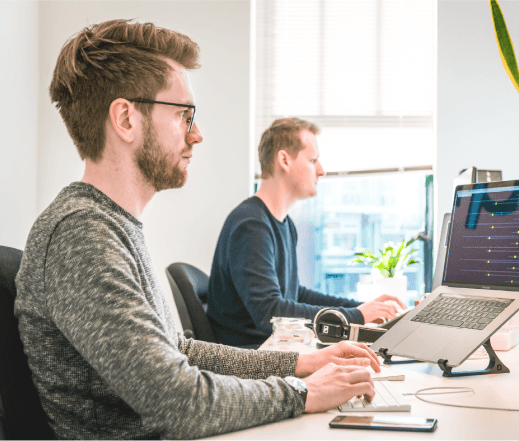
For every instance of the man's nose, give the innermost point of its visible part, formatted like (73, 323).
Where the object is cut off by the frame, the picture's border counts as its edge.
(195, 135)
(320, 170)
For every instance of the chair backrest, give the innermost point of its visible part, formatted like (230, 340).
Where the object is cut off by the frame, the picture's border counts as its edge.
(23, 418)
(190, 286)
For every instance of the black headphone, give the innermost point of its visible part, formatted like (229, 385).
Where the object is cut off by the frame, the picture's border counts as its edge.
(331, 326)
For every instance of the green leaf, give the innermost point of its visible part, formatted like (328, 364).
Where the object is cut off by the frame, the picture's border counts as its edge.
(383, 271)
(401, 246)
(390, 259)
(504, 43)
(411, 241)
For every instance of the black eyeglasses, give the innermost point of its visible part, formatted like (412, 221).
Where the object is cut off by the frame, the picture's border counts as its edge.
(189, 106)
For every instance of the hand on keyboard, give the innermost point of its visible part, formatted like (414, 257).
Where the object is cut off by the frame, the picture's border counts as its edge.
(342, 353)
(399, 309)
(334, 385)
(380, 308)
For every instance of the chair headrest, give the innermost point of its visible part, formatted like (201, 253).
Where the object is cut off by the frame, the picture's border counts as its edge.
(10, 259)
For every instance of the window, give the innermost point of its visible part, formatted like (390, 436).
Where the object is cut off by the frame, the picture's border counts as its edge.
(364, 71)
(352, 213)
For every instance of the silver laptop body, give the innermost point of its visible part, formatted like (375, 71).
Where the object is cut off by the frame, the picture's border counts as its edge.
(481, 268)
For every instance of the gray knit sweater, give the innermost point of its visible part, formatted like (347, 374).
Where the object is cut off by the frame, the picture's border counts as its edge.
(102, 347)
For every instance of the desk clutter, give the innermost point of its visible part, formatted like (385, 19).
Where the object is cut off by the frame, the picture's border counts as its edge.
(290, 330)
(506, 338)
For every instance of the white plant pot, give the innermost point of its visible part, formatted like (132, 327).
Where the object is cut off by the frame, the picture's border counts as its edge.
(366, 292)
(394, 286)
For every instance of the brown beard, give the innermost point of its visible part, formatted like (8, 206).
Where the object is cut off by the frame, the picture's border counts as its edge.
(159, 169)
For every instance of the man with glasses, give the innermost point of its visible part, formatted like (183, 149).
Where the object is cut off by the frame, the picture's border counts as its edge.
(100, 341)
(254, 272)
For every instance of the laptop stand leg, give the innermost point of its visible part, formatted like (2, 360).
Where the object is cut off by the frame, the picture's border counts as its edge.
(387, 358)
(495, 365)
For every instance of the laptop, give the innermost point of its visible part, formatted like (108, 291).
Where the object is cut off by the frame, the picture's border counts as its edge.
(479, 289)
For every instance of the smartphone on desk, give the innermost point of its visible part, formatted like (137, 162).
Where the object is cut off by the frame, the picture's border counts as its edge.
(380, 422)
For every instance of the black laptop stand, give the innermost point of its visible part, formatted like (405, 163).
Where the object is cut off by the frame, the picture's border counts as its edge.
(387, 358)
(495, 365)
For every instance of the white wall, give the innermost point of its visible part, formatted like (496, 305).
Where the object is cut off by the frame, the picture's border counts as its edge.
(478, 107)
(180, 225)
(18, 119)
(478, 113)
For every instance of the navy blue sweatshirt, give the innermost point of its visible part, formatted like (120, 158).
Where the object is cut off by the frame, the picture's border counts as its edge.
(254, 278)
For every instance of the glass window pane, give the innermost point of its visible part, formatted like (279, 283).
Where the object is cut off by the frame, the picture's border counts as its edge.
(352, 213)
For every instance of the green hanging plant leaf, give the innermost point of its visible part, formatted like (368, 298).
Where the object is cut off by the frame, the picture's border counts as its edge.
(504, 43)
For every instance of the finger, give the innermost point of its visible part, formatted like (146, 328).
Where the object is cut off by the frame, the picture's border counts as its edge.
(398, 301)
(367, 353)
(361, 350)
(363, 389)
(392, 308)
(385, 306)
(366, 348)
(402, 305)
(360, 376)
(352, 368)
(387, 311)
(395, 299)
(361, 362)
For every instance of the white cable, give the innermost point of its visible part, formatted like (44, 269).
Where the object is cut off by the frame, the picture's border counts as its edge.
(455, 390)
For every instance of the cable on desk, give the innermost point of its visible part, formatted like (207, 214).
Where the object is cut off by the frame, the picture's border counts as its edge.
(454, 390)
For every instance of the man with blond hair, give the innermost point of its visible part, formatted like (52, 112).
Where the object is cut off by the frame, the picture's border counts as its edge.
(254, 272)
(100, 341)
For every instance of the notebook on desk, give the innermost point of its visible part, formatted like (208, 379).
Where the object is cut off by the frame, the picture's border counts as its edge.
(479, 290)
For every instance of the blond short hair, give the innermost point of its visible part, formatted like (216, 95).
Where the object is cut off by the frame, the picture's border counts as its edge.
(283, 134)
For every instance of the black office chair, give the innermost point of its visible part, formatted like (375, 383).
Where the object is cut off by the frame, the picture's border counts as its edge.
(190, 287)
(23, 417)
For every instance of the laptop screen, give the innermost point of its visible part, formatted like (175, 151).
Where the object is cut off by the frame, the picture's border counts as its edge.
(483, 247)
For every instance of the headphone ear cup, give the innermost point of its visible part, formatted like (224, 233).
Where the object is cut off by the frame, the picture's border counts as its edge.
(321, 312)
(317, 321)
(328, 316)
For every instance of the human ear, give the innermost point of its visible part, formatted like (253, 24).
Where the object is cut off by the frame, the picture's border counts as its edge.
(283, 160)
(123, 118)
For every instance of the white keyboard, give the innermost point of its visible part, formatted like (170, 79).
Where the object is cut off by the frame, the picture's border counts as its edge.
(387, 399)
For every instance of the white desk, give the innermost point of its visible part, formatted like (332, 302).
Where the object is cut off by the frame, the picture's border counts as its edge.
(501, 390)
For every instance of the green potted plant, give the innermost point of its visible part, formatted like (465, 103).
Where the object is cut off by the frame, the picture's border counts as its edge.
(504, 43)
(390, 262)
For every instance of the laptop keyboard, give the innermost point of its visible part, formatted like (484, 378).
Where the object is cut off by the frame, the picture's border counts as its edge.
(387, 399)
(461, 312)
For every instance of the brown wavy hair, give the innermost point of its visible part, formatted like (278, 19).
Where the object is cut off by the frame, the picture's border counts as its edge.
(283, 134)
(110, 60)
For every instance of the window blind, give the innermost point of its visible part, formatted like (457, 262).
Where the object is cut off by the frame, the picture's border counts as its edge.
(363, 70)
